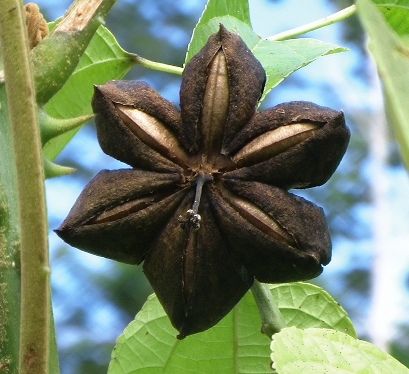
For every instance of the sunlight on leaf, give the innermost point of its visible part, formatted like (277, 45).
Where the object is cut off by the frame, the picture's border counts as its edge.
(318, 350)
(306, 305)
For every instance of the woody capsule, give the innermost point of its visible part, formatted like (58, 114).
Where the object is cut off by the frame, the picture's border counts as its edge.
(205, 203)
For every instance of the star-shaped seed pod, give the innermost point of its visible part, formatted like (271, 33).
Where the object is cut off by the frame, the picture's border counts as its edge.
(206, 206)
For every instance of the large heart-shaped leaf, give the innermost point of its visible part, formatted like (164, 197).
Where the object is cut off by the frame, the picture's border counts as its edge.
(234, 345)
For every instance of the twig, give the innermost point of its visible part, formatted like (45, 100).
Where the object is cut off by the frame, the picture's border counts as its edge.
(326, 21)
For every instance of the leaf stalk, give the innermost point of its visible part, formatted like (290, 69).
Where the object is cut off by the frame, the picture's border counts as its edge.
(326, 21)
(159, 66)
(272, 321)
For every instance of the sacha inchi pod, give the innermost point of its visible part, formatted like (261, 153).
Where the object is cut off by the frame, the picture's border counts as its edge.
(205, 205)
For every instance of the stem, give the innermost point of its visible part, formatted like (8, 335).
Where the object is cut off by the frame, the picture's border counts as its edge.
(153, 65)
(193, 217)
(201, 180)
(326, 21)
(35, 292)
(271, 319)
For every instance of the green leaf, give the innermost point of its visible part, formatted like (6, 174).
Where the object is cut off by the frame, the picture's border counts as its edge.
(238, 9)
(234, 345)
(282, 58)
(396, 13)
(233, 24)
(279, 58)
(103, 60)
(306, 305)
(392, 58)
(318, 350)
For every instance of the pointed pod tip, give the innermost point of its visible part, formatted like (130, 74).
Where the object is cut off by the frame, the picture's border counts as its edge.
(99, 93)
(105, 86)
(102, 93)
(222, 28)
(100, 88)
(60, 231)
(66, 233)
(225, 32)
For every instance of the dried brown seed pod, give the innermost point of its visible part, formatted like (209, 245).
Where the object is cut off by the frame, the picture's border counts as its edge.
(206, 207)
